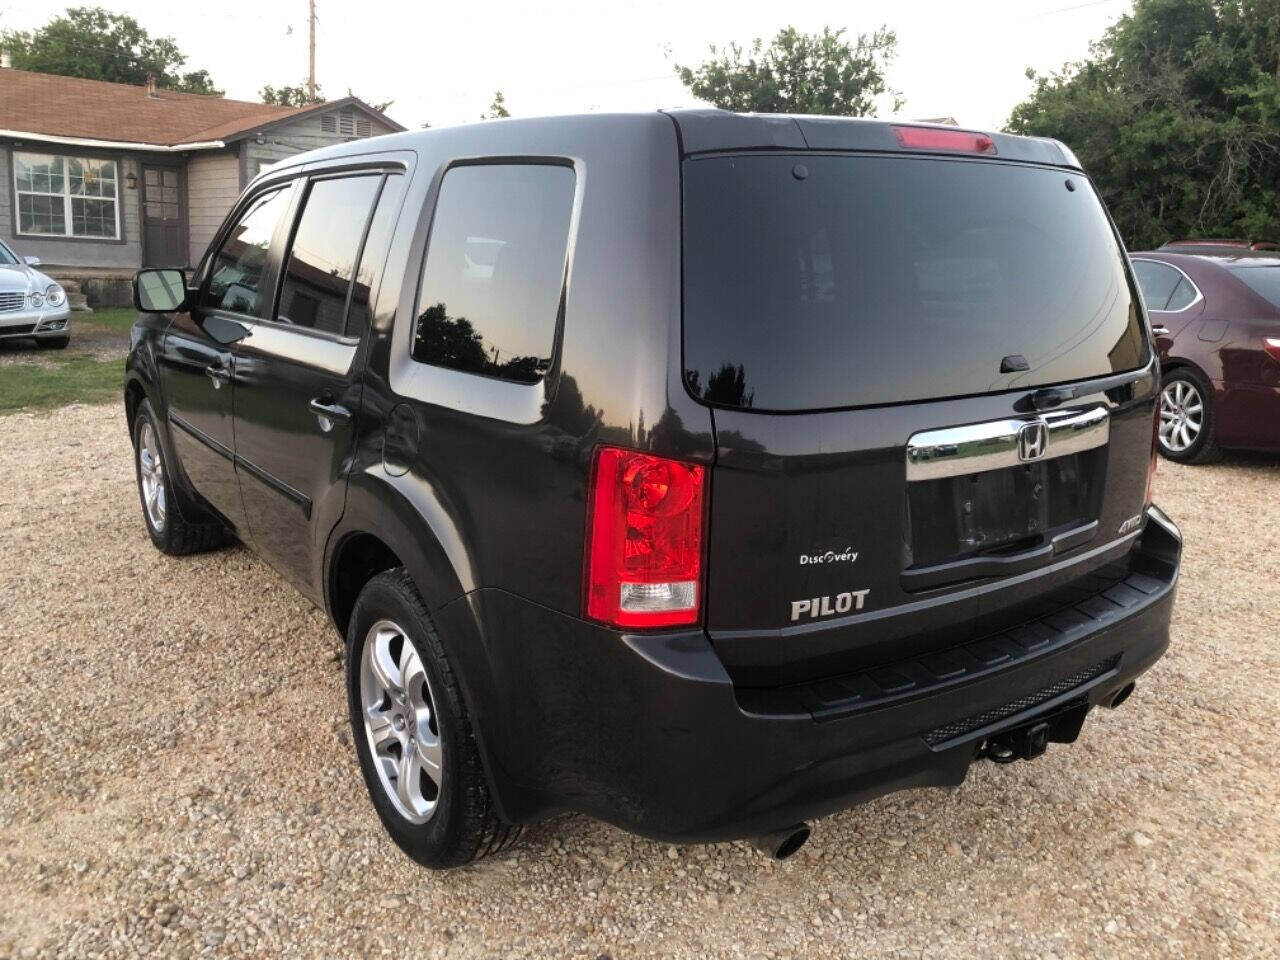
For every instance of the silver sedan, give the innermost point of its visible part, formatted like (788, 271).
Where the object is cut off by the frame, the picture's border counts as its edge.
(31, 304)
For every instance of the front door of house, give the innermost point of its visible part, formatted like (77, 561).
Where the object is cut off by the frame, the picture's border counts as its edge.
(164, 235)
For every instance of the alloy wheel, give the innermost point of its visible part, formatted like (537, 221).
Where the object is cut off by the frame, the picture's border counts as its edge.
(400, 722)
(151, 476)
(1181, 416)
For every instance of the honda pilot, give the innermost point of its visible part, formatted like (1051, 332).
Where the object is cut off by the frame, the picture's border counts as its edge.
(702, 473)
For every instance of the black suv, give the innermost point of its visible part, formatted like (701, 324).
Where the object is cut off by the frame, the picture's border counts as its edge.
(699, 472)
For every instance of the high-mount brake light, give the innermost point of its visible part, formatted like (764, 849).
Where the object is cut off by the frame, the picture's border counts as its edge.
(931, 138)
(644, 540)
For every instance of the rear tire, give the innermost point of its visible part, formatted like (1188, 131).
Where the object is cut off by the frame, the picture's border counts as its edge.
(435, 804)
(1187, 422)
(164, 508)
(53, 343)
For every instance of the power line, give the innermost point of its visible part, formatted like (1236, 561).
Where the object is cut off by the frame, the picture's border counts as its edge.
(1078, 6)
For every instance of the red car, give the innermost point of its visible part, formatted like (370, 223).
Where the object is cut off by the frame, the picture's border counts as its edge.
(1215, 314)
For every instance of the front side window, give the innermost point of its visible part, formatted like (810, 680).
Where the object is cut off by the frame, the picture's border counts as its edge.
(322, 258)
(66, 196)
(236, 272)
(495, 268)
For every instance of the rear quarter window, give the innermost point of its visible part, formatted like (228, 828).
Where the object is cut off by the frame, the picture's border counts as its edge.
(819, 282)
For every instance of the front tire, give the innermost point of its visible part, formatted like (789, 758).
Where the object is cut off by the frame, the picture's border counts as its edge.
(162, 503)
(413, 733)
(1187, 423)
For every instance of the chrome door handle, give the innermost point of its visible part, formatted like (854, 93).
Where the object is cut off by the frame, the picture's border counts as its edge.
(218, 374)
(1160, 330)
(328, 413)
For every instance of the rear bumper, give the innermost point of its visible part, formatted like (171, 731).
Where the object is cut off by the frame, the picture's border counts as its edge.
(649, 733)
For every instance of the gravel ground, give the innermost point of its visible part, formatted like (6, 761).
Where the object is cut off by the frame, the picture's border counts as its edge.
(176, 778)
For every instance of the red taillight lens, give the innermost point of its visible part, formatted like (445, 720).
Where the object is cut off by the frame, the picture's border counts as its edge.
(644, 540)
(1272, 346)
(930, 138)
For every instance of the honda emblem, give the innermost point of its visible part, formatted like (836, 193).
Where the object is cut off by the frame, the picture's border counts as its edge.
(1033, 438)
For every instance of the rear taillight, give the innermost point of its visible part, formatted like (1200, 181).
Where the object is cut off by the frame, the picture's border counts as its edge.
(644, 540)
(931, 138)
(1272, 346)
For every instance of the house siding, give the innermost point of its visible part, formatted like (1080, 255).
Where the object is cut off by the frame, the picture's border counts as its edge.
(289, 139)
(213, 183)
(126, 253)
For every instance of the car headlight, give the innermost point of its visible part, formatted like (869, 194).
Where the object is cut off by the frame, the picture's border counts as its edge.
(37, 300)
(54, 295)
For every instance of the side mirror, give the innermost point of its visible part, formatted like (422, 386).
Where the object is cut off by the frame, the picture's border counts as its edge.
(32, 261)
(160, 290)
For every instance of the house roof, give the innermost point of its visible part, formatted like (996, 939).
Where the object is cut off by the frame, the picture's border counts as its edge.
(71, 109)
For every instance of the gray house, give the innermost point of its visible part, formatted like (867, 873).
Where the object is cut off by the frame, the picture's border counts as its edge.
(103, 178)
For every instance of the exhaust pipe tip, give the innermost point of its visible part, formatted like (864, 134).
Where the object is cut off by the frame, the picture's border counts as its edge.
(1121, 695)
(781, 844)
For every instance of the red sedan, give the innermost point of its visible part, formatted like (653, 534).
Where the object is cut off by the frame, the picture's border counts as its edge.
(1216, 319)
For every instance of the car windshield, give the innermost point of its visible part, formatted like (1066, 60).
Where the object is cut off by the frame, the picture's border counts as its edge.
(818, 282)
(1264, 281)
(7, 256)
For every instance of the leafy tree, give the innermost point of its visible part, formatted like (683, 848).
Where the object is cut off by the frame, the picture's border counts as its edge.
(1176, 114)
(498, 108)
(821, 73)
(286, 96)
(93, 43)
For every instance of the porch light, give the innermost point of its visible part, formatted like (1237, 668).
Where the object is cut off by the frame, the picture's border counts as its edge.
(131, 180)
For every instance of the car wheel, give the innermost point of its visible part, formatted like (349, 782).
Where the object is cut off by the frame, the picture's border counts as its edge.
(162, 508)
(1186, 418)
(53, 343)
(413, 732)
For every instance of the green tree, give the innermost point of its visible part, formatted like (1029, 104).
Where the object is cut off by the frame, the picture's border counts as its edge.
(1176, 115)
(821, 73)
(498, 108)
(286, 96)
(95, 44)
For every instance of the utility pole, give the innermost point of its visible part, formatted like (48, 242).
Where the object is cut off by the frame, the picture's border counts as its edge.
(311, 71)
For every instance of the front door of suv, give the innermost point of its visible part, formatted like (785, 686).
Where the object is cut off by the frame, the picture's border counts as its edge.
(197, 361)
(298, 374)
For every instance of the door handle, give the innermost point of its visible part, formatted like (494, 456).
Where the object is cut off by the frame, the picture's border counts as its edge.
(218, 374)
(1160, 330)
(328, 412)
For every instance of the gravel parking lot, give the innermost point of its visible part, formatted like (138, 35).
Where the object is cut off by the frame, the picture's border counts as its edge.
(176, 778)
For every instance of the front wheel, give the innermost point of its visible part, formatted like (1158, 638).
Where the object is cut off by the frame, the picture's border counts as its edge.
(413, 733)
(1186, 433)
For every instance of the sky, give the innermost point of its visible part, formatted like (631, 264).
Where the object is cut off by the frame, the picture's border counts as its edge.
(441, 63)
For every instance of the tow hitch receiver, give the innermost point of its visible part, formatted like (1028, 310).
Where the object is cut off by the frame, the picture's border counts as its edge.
(1030, 740)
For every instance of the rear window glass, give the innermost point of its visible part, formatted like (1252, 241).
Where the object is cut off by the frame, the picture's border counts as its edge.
(815, 282)
(1264, 281)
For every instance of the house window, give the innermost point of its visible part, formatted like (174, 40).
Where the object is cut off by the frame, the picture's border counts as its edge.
(66, 196)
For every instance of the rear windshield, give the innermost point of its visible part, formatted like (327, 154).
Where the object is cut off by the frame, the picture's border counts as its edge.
(1264, 281)
(814, 282)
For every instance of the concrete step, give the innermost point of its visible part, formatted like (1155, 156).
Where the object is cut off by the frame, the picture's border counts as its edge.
(78, 302)
(71, 286)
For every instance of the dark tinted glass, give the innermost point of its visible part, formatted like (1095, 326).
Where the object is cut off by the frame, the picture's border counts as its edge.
(1157, 280)
(816, 282)
(374, 254)
(235, 277)
(1264, 281)
(322, 258)
(495, 270)
(1184, 294)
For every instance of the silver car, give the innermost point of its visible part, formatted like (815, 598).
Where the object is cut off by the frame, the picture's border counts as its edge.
(32, 305)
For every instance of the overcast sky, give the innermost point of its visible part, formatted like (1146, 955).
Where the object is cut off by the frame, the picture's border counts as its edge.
(442, 62)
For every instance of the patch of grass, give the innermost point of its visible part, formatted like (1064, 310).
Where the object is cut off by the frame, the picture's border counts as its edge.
(72, 378)
(115, 319)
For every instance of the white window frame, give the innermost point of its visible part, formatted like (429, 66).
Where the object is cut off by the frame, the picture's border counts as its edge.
(66, 195)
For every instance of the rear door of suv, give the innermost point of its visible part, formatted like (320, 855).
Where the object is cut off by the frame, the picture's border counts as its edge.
(933, 400)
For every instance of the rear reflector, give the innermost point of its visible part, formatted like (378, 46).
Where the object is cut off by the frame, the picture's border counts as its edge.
(644, 540)
(931, 138)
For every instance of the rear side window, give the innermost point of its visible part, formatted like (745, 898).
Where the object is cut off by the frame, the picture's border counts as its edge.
(1158, 282)
(495, 268)
(816, 282)
(236, 273)
(1264, 281)
(322, 257)
(1184, 294)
